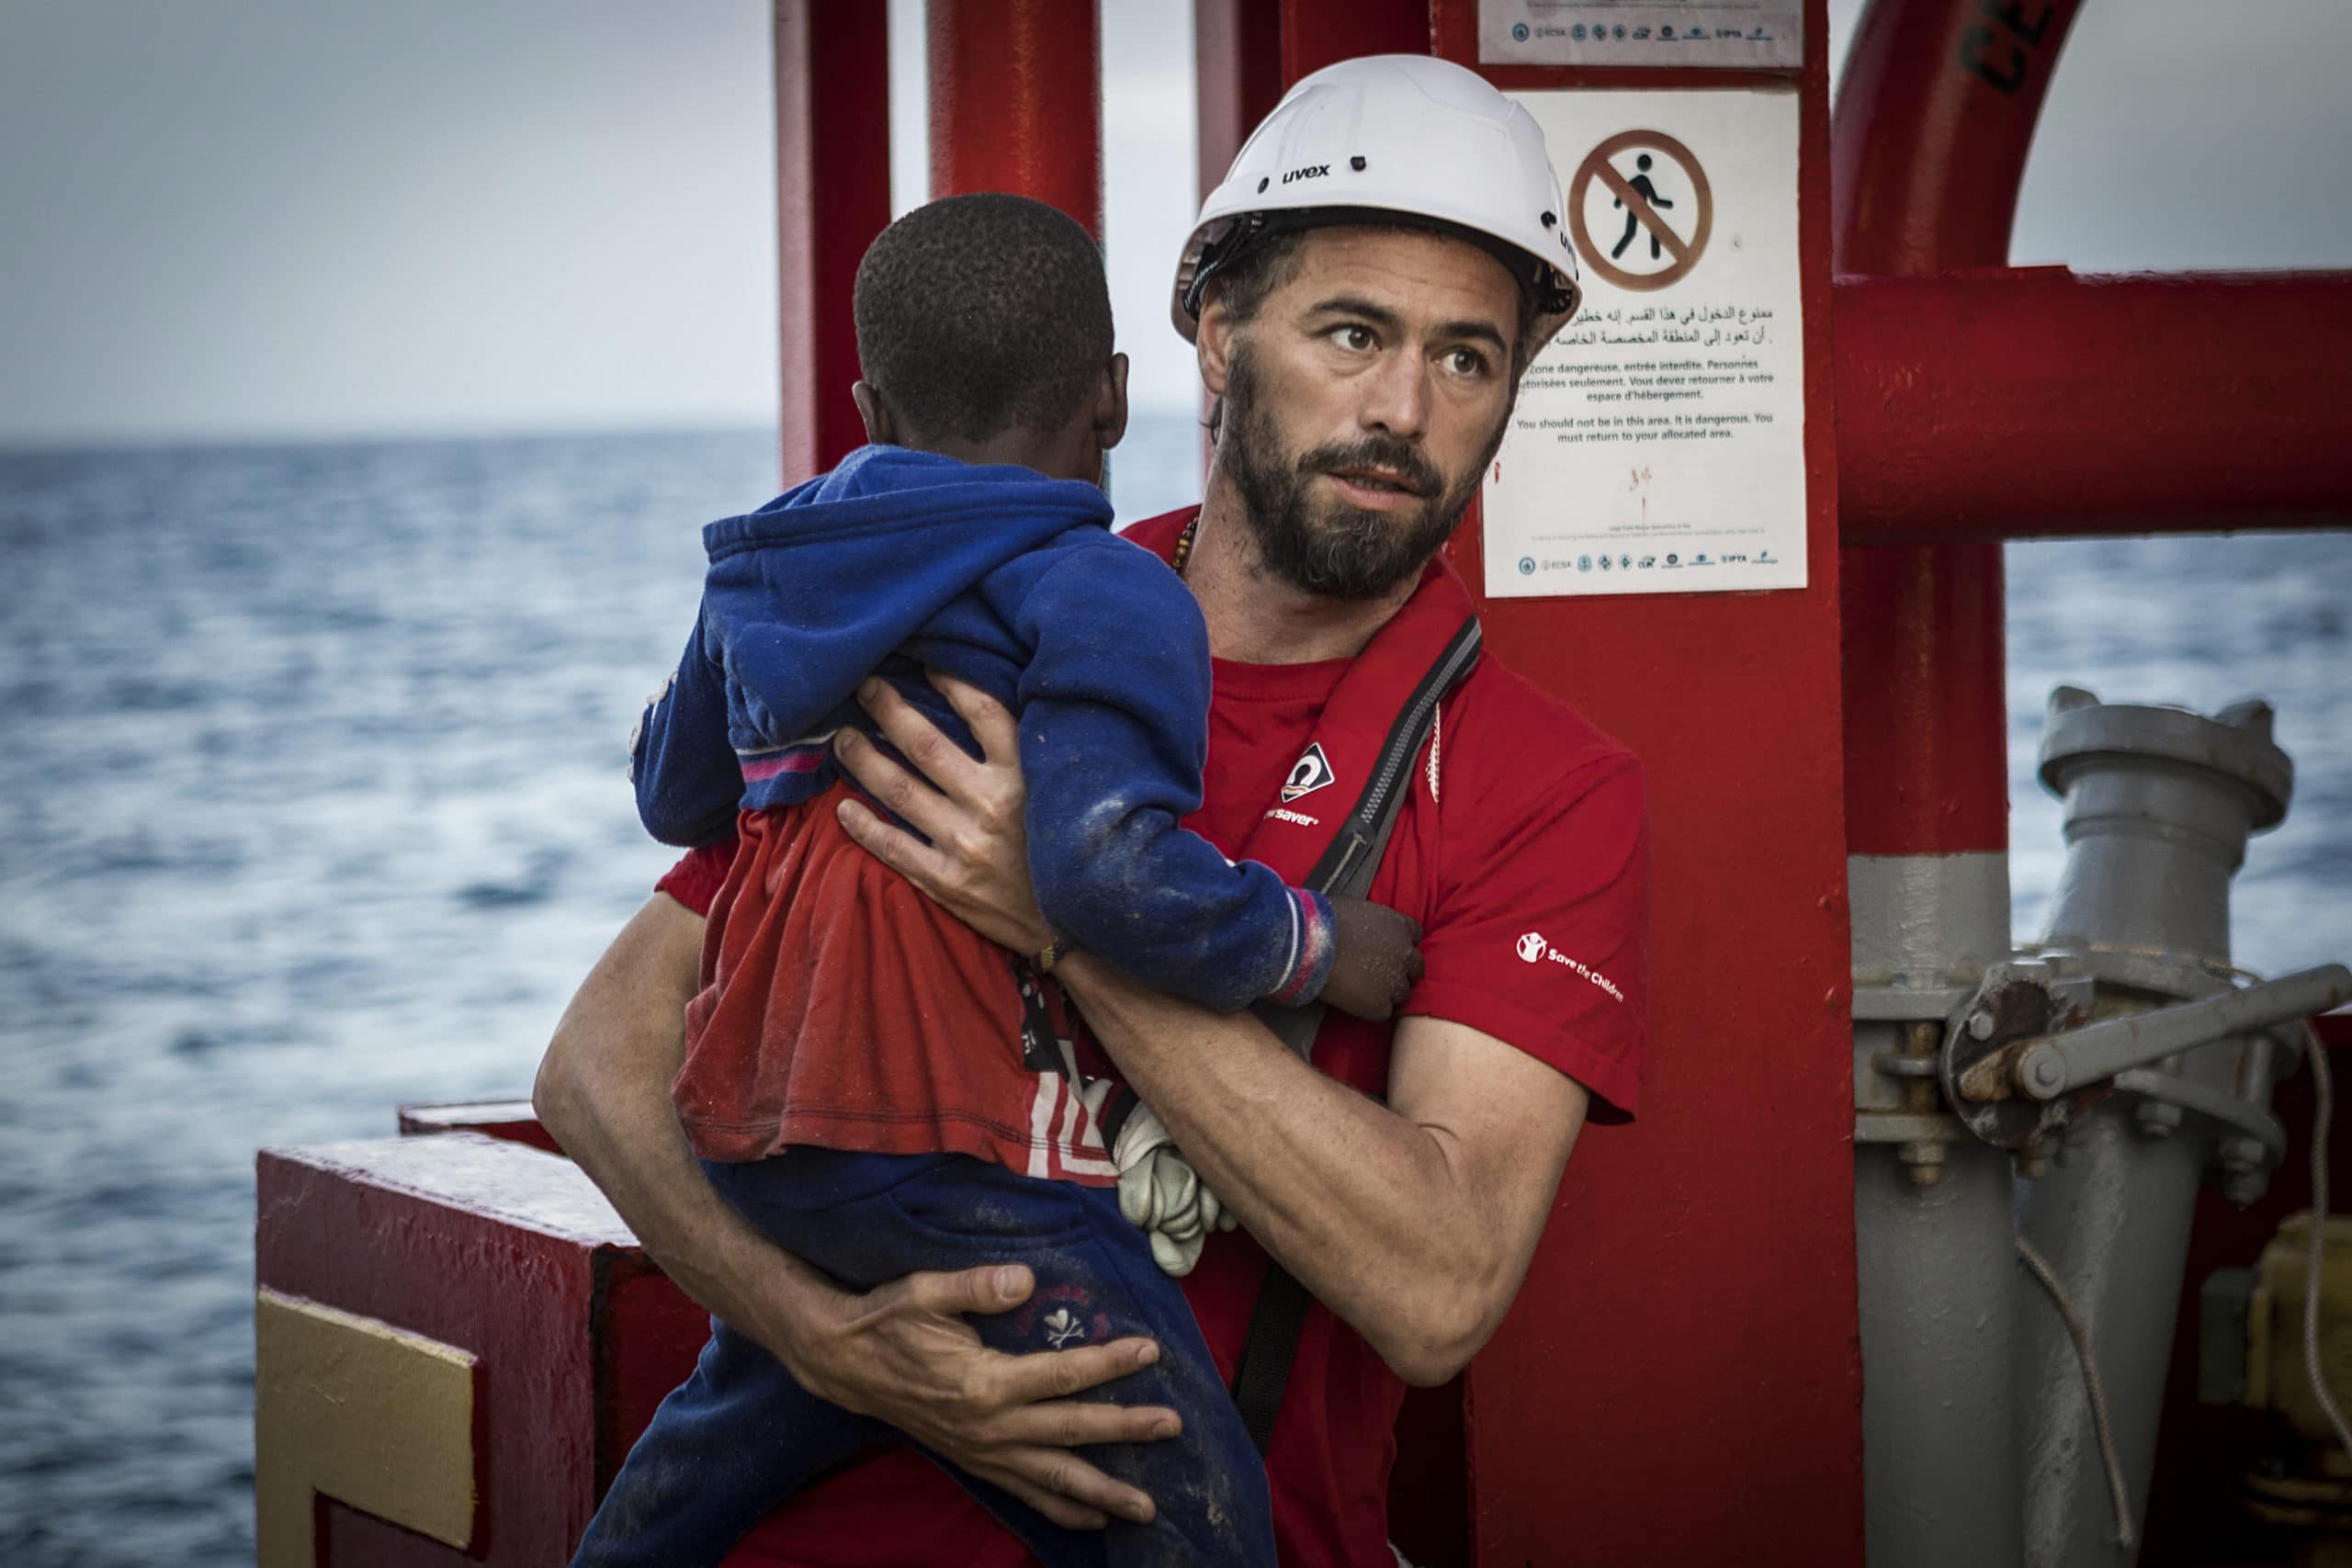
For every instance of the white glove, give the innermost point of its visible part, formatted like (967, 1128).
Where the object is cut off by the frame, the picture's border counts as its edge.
(1160, 1194)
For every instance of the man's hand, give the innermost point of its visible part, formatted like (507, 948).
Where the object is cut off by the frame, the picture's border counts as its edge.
(903, 1354)
(976, 864)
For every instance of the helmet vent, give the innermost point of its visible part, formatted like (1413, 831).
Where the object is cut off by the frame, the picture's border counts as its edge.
(1356, 163)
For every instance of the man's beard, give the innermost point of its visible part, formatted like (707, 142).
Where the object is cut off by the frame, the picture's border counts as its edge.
(1335, 551)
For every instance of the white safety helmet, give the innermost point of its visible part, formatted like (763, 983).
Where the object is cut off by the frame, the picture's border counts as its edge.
(1390, 136)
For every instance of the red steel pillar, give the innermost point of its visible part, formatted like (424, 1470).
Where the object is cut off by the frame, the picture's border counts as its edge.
(1677, 1384)
(1236, 46)
(1016, 102)
(833, 173)
(2004, 404)
(1932, 126)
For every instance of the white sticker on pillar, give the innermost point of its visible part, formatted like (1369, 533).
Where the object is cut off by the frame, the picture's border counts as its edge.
(1749, 34)
(1658, 442)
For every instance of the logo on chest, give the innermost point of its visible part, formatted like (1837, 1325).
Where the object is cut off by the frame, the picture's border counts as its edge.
(1310, 773)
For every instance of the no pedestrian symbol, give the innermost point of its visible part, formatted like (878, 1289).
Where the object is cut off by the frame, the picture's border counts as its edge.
(1669, 210)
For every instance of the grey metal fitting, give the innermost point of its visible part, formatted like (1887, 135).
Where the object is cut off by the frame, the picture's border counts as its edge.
(1925, 1161)
(2033, 1160)
(2043, 1074)
(1980, 1025)
(2159, 802)
(2245, 1173)
(2156, 1119)
(2241, 1154)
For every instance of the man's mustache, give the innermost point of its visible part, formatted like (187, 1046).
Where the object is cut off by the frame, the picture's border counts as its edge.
(1396, 459)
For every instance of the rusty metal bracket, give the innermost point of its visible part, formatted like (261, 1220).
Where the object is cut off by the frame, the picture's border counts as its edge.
(2019, 1001)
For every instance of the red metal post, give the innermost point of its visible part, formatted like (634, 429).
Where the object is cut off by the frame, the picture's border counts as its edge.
(832, 174)
(1931, 128)
(1679, 1383)
(1016, 102)
(1238, 48)
(501, 1252)
(1316, 33)
(1998, 404)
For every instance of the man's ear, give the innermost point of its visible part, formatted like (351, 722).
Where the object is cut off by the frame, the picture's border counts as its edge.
(881, 424)
(1111, 404)
(1213, 341)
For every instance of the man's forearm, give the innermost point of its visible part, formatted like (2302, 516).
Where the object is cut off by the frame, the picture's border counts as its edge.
(603, 1092)
(1374, 1213)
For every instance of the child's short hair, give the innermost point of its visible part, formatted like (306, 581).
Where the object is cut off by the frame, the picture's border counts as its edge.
(983, 314)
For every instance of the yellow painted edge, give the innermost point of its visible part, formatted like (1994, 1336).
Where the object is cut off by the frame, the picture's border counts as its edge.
(351, 1408)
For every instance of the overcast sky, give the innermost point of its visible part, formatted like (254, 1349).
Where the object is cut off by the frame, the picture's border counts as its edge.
(261, 218)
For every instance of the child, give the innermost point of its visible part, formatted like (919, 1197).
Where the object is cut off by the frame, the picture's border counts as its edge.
(872, 1084)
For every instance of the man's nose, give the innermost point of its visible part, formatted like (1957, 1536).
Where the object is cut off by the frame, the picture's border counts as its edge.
(1396, 397)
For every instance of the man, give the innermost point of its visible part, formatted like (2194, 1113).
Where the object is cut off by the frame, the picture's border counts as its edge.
(1363, 293)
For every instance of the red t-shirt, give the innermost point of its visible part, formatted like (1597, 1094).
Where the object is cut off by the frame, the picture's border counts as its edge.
(840, 1008)
(1523, 851)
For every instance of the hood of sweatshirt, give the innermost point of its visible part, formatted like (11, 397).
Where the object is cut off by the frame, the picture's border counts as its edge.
(808, 595)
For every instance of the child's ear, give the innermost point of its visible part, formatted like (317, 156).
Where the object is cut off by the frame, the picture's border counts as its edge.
(1111, 404)
(881, 424)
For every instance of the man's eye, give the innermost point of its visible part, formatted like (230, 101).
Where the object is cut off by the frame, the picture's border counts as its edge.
(1355, 339)
(1466, 362)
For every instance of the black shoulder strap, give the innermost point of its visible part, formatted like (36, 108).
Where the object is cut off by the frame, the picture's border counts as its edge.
(1345, 870)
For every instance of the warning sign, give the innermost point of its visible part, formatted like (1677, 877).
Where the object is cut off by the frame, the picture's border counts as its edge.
(1636, 194)
(1659, 443)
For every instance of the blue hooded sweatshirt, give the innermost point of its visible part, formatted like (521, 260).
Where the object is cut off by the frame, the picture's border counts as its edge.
(899, 561)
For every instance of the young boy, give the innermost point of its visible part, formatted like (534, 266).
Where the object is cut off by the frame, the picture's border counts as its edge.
(875, 1085)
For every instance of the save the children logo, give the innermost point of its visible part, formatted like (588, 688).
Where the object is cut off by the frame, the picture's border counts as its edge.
(1534, 948)
(1310, 773)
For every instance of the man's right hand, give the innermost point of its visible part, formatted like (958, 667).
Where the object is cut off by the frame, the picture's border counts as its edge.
(904, 1354)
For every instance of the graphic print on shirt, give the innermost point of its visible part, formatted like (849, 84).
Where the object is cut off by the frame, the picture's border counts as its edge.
(1534, 948)
(1310, 773)
(1066, 1108)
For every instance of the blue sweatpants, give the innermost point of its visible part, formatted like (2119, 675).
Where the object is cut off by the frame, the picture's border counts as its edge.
(740, 1436)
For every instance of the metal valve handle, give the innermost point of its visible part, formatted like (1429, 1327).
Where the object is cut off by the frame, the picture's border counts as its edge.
(2048, 1066)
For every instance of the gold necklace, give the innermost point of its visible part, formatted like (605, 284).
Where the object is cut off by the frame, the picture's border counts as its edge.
(1184, 544)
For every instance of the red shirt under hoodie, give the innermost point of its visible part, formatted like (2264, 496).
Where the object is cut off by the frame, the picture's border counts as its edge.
(1523, 851)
